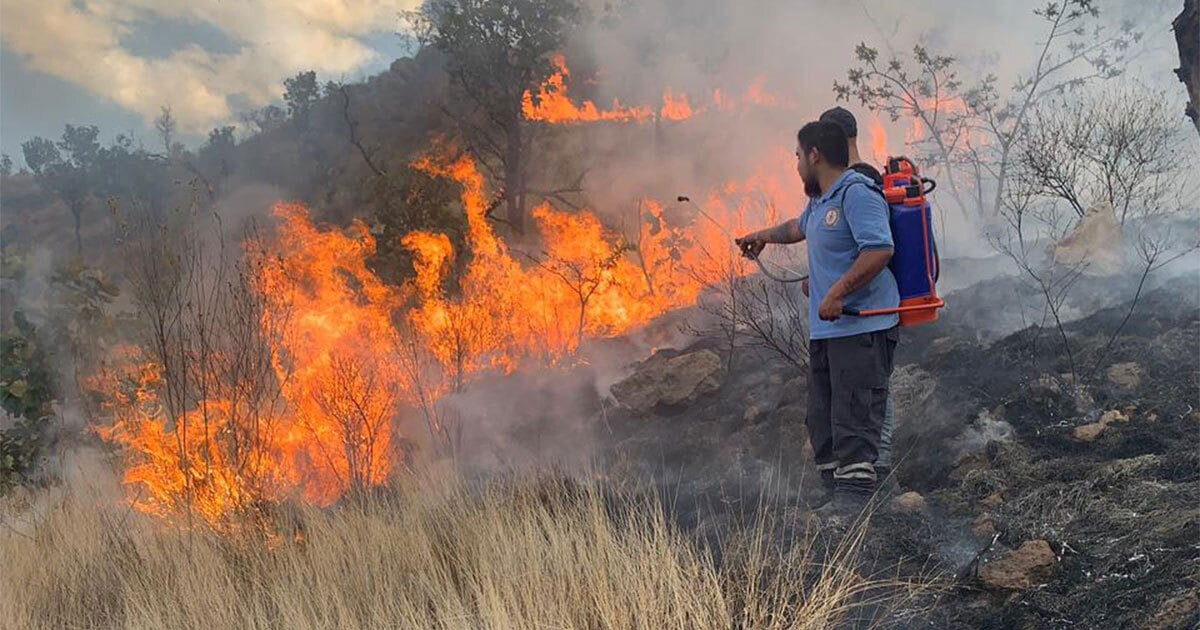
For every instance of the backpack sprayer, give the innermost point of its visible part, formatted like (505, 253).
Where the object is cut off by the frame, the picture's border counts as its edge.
(914, 263)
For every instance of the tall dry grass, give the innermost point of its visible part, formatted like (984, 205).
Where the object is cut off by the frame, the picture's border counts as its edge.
(519, 554)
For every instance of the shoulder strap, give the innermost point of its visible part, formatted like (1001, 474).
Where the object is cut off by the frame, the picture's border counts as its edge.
(870, 185)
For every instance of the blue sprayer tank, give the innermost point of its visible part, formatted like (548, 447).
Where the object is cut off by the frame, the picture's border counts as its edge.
(914, 259)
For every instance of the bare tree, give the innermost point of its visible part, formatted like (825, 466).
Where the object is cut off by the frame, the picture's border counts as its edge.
(977, 128)
(360, 399)
(211, 330)
(584, 277)
(1121, 145)
(1116, 148)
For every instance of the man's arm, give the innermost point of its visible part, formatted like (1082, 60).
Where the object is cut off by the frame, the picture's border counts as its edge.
(785, 233)
(868, 265)
(867, 215)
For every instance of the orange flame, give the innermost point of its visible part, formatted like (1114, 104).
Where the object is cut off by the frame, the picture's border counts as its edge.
(553, 105)
(878, 139)
(341, 363)
(675, 106)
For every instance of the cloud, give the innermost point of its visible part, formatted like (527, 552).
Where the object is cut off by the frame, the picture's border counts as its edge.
(80, 41)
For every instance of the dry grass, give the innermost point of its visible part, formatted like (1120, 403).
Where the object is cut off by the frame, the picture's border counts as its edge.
(525, 554)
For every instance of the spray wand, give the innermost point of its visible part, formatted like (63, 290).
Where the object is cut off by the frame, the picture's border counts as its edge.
(796, 275)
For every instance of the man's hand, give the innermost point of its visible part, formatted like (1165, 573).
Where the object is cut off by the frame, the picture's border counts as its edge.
(831, 307)
(751, 244)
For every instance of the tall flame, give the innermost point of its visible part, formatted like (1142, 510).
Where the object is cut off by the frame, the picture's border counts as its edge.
(354, 348)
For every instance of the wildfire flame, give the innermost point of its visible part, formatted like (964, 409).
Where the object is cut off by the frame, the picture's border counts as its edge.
(675, 106)
(553, 105)
(878, 139)
(353, 350)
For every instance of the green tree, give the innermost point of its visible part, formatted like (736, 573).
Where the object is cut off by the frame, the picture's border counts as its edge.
(40, 154)
(495, 51)
(216, 155)
(300, 93)
(6, 165)
(66, 168)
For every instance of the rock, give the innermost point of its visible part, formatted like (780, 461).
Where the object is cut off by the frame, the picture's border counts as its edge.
(993, 500)
(660, 381)
(1125, 375)
(1089, 432)
(1030, 563)
(983, 526)
(1095, 240)
(1109, 417)
(910, 502)
(1175, 613)
(751, 415)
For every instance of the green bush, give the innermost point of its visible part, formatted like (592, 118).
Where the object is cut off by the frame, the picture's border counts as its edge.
(26, 394)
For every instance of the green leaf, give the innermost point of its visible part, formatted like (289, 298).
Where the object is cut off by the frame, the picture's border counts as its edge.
(18, 388)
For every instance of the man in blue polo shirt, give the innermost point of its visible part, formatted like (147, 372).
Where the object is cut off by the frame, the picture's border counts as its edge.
(850, 358)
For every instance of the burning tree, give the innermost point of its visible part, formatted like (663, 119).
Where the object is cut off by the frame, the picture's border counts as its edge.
(495, 52)
(201, 406)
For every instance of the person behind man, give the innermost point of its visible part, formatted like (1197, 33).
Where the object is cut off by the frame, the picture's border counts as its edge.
(850, 358)
(842, 117)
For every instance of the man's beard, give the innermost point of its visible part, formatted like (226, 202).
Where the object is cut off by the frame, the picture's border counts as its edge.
(812, 187)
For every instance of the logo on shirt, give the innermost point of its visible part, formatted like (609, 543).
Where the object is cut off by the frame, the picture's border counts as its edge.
(831, 216)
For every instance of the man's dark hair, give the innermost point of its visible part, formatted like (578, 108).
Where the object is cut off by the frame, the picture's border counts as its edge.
(841, 117)
(829, 140)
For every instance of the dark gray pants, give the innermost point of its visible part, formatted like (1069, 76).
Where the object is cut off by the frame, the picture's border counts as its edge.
(847, 399)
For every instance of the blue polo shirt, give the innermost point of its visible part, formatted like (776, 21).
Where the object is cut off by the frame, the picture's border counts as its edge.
(839, 225)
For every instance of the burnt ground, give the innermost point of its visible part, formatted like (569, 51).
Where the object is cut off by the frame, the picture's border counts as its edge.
(987, 436)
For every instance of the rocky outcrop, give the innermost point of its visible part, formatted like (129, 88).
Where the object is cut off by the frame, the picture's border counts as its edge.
(1021, 568)
(1127, 375)
(668, 382)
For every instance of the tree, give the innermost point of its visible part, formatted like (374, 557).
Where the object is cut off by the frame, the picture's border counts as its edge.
(1115, 147)
(1187, 39)
(216, 155)
(265, 119)
(6, 165)
(977, 128)
(495, 51)
(1118, 145)
(66, 168)
(165, 125)
(131, 174)
(40, 154)
(300, 93)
